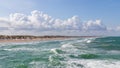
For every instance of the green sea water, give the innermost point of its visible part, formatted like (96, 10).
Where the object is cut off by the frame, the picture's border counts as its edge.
(102, 52)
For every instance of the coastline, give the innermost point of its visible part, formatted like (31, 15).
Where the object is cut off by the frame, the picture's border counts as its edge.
(25, 38)
(31, 40)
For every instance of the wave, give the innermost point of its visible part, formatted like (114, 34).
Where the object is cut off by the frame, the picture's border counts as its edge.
(67, 46)
(114, 52)
(86, 40)
(75, 64)
(22, 49)
(76, 53)
(57, 51)
(92, 64)
(85, 56)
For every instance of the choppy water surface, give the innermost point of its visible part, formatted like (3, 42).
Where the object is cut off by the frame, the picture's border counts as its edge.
(77, 53)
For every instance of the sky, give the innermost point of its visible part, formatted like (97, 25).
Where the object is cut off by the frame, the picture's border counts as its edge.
(60, 17)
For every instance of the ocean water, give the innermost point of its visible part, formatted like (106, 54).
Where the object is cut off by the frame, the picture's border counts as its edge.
(99, 52)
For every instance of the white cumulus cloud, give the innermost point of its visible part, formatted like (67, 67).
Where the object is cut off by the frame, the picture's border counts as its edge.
(94, 25)
(41, 22)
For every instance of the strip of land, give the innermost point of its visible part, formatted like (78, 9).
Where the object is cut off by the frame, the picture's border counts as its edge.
(29, 38)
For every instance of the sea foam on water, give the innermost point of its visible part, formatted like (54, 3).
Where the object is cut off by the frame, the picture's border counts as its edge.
(76, 53)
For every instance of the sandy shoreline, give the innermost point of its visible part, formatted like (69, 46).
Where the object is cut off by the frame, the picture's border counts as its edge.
(30, 40)
(26, 38)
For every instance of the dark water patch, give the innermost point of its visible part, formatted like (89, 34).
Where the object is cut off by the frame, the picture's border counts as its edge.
(107, 40)
(106, 43)
(85, 56)
(110, 47)
(73, 56)
(109, 56)
(41, 57)
(106, 47)
(89, 56)
(56, 57)
(60, 51)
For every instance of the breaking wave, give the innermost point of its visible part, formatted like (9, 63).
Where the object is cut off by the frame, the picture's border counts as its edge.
(75, 53)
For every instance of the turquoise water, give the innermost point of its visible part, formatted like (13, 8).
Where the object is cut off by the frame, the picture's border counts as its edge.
(101, 52)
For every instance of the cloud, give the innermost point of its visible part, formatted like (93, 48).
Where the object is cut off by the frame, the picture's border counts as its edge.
(117, 28)
(94, 25)
(4, 24)
(19, 21)
(69, 24)
(39, 22)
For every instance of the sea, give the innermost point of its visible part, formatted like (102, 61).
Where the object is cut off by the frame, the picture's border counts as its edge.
(100, 52)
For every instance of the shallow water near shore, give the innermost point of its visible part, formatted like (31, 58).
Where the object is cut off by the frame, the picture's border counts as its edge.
(99, 52)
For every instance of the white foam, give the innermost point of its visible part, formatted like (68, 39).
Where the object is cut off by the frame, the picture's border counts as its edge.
(86, 40)
(80, 64)
(22, 49)
(113, 52)
(4, 57)
(37, 64)
(67, 46)
(54, 51)
(15, 44)
(94, 64)
(89, 40)
(50, 58)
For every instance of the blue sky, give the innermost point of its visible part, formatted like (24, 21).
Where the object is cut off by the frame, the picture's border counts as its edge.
(108, 11)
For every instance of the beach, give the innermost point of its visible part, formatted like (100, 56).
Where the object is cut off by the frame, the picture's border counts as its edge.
(26, 38)
(30, 40)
